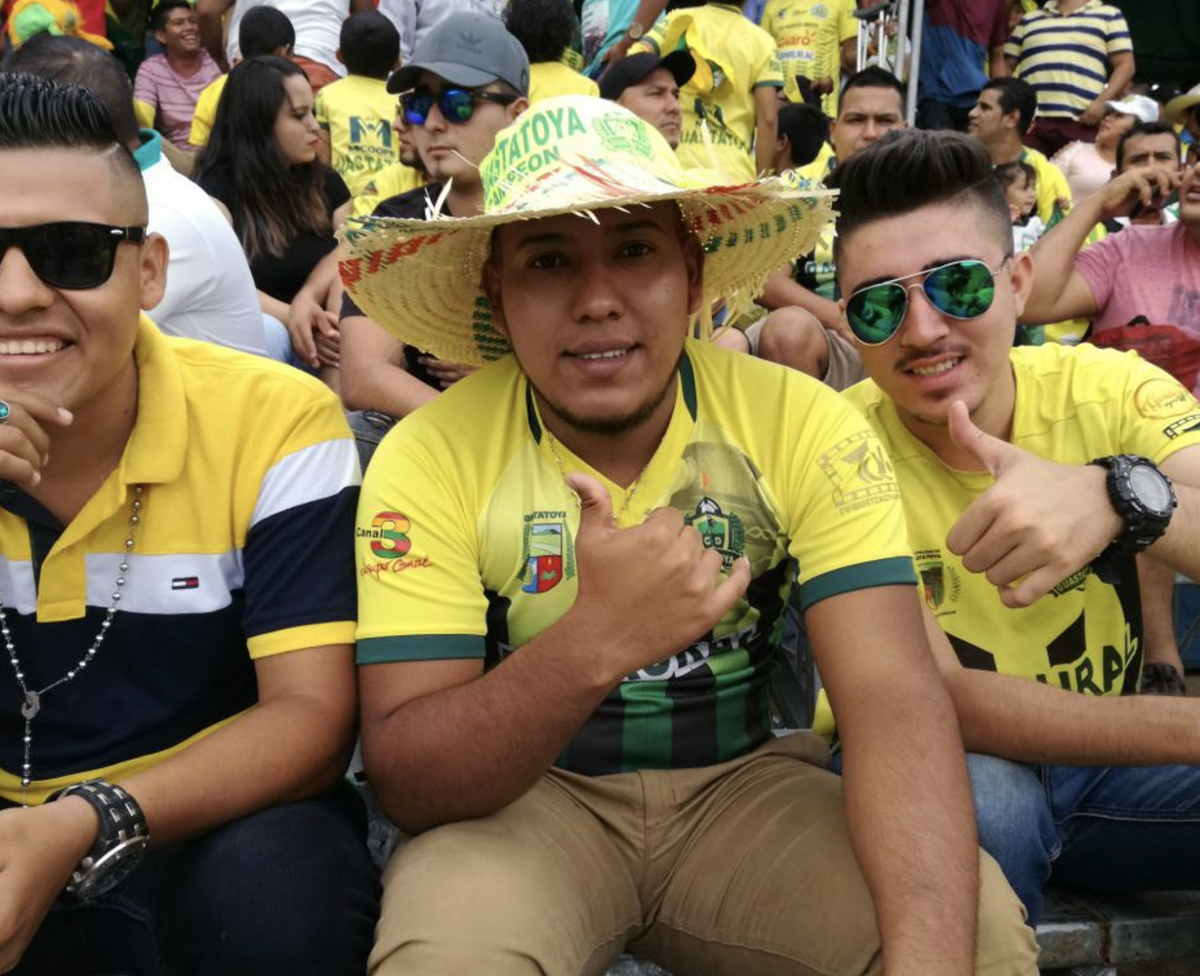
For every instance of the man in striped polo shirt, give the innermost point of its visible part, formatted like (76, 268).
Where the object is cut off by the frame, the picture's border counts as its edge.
(1078, 55)
(177, 693)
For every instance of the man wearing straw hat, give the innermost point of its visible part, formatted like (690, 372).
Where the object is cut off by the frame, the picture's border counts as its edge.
(572, 569)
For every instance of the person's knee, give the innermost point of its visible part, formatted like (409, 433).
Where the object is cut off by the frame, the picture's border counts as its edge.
(1004, 943)
(793, 337)
(1010, 806)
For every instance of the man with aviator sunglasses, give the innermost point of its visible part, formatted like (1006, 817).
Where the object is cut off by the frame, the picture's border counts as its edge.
(177, 697)
(468, 79)
(1030, 478)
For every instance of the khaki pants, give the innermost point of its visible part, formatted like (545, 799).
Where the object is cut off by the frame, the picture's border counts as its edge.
(742, 868)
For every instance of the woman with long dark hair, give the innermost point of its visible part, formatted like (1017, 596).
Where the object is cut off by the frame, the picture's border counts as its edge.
(261, 163)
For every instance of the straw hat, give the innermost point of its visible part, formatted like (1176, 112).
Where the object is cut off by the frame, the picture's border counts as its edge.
(1178, 107)
(421, 280)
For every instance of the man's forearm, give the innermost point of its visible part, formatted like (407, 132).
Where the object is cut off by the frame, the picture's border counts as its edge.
(908, 803)
(1027, 721)
(468, 750)
(372, 375)
(208, 19)
(780, 291)
(1054, 260)
(1177, 548)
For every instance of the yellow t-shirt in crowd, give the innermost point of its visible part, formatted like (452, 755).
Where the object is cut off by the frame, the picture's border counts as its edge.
(1073, 404)
(809, 35)
(734, 58)
(550, 78)
(357, 113)
(476, 556)
(206, 112)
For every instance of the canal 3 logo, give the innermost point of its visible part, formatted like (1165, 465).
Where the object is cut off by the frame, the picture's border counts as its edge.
(719, 531)
(388, 535)
(548, 552)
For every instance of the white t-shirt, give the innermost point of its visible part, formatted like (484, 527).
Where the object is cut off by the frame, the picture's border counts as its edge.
(415, 18)
(318, 26)
(210, 293)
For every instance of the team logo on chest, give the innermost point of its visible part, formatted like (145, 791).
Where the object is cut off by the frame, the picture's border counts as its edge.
(722, 532)
(548, 553)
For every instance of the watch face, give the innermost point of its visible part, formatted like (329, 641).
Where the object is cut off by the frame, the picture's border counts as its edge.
(1150, 488)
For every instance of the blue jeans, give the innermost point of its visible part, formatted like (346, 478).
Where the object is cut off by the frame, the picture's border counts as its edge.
(1102, 828)
(288, 890)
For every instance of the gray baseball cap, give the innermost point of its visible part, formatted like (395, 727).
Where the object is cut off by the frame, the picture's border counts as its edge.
(468, 49)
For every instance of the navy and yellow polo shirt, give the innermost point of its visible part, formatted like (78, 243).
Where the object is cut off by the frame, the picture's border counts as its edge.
(466, 540)
(243, 550)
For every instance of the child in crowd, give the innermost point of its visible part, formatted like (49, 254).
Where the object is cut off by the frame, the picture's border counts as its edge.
(264, 30)
(355, 113)
(546, 30)
(1019, 181)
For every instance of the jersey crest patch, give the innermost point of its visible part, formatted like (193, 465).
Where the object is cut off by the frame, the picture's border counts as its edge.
(721, 532)
(548, 552)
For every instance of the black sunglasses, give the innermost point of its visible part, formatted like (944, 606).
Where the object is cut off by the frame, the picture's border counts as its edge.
(70, 254)
(457, 105)
(961, 289)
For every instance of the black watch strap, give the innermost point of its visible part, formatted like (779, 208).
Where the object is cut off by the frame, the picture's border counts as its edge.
(120, 841)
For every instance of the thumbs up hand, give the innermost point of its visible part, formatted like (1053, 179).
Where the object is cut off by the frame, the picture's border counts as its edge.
(1039, 523)
(650, 590)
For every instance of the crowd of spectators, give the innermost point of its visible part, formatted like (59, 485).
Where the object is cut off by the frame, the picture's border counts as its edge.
(270, 134)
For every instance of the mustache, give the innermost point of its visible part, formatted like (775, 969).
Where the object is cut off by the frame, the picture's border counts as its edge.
(917, 355)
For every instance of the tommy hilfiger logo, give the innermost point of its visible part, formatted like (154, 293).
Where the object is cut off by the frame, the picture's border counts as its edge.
(185, 583)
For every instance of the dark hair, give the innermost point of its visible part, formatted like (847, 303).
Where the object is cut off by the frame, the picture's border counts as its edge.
(273, 201)
(875, 77)
(912, 168)
(370, 44)
(72, 61)
(38, 113)
(1015, 96)
(264, 30)
(1006, 173)
(545, 28)
(806, 128)
(160, 14)
(1145, 129)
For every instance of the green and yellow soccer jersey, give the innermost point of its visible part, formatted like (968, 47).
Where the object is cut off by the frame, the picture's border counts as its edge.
(357, 114)
(466, 541)
(734, 58)
(1073, 404)
(809, 36)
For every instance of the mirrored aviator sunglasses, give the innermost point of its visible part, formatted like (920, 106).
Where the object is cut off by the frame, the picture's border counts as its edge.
(70, 254)
(457, 105)
(961, 289)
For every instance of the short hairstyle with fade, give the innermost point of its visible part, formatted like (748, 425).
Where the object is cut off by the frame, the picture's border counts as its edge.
(37, 113)
(1146, 129)
(160, 14)
(73, 61)
(874, 77)
(544, 28)
(264, 30)
(370, 44)
(909, 169)
(1015, 96)
(806, 128)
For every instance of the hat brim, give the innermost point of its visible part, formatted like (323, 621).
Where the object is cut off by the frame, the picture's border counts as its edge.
(456, 74)
(1178, 107)
(422, 280)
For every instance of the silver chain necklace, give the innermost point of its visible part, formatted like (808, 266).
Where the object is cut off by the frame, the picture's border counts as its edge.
(630, 491)
(33, 699)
